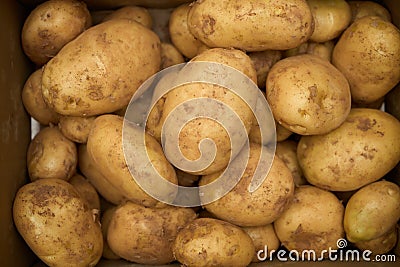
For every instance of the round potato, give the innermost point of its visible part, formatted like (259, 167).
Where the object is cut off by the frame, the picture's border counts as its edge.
(263, 61)
(313, 221)
(380, 245)
(212, 242)
(105, 223)
(51, 25)
(287, 152)
(57, 224)
(308, 95)
(135, 13)
(51, 155)
(76, 128)
(170, 55)
(360, 9)
(86, 191)
(362, 150)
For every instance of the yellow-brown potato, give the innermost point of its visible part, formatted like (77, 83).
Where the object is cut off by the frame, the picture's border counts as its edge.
(145, 235)
(86, 191)
(135, 13)
(313, 221)
(331, 18)
(282, 133)
(263, 61)
(57, 224)
(361, 9)
(362, 150)
(372, 211)
(51, 25)
(51, 155)
(368, 54)
(254, 25)
(287, 151)
(380, 245)
(170, 56)
(105, 222)
(323, 50)
(308, 95)
(261, 207)
(99, 71)
(263, 237)
(76, 128)
(212, 242)
(33, 102)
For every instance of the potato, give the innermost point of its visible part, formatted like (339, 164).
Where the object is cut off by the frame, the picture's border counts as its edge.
(93, 74)
(105, 222)
(323, 50)
(212, 242)
(377, 104)
(51, 155)
(76, 128)
(186, 179)
(263, 61)
(368, 54)
(86, 191)
(145, 235)
(308, 95)
(255, 25)
(57, 224)
(391, 102)
(170, 56)
(33, 102)
(396, 249)
(362, 150)
(261, 207)
(331, 18)
(372, 211)
(135, 13)
(287, 152)
(380, 245)
(282, 133)
(51, 25)
(361, 9)
(313, 221)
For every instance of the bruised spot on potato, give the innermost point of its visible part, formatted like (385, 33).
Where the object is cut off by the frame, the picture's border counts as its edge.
(208, 25)
(364, 124)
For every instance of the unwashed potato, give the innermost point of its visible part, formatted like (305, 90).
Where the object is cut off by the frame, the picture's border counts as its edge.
(380, 245)
(361, 9)
(263, 61)
(323, 50)
(86, 191)
(105, 222)
(57, 224)
(308, 95)
(145, 235)
(99, 71)
(51, 155)
(170, 56)
(372, 211)
(135, 13)
(362, 150)
(33, 102)
(76, 128)
(287, 152)
(51, 25)
(212, 242)
(313, 221)
(254, 25)
(368, 54)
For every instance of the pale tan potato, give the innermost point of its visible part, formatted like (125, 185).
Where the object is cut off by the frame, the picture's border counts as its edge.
(254, 25)
(313, 221)
(368, 54)
(51, 25)
(263, 61)
(287, 152)
(308, 95)
(323, 50)
(372, 211)
(105, 222)
(86, 191)
(145, 235)
(57, 224)
(135, 13)
(170, 55)
(361, 9)
(76, 128)
(51, 155)
(93, 74)
(380, 245)
(212, 242)
(282, 133)
(32, 99)
(362, 150)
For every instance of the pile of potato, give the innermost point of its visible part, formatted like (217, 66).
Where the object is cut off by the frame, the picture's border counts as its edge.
(325, 68)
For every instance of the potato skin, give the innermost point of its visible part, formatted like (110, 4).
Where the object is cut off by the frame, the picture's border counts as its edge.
(170, 55)
(136, 13)
(76, 128)
(86, 191)
(287, 151)
(255, 25)
(105, 222)
(380, 245)
(57, 224)
(362, 150)
(360, 9)
(212, 242)
(263, 236)
(92, 74)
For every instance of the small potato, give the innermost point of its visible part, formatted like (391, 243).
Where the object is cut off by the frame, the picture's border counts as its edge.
(86, 191)
(105, 222)
(263, 61)
(135, 13)
(76, 128)
(145, 235)
(33, 101)
(313, 221)
(287, 152)
(361, 9)
(372, 211)
(57, 224)
(170, 56)
(51, 25)
(282, 133)
(51, 155)
(212, 242)
(380, 245)
(323, 50)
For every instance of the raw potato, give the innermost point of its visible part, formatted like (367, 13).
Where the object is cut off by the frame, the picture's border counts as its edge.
(254, 25)
(86, 191)
(361, 9)
(308, 95)
(57, 224)
(135, 13)
(212, 242)
(282, 133)
(76, 128)
(331, 18)
(145, 235)
(368, 54)
(51, 155)
(105, 222)
(362, 150)
(263, 237)
(99, 71)
(287, 152)
(263, 61)
(51, 25)
(323, 50)
(313, 221)
(372, 211)
(34, 104)
(380, 245)
(186, 179)
(170, 56)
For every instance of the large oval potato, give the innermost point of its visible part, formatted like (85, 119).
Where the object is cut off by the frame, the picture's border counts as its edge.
(362, 150)
(99, 71)
(57, 224)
